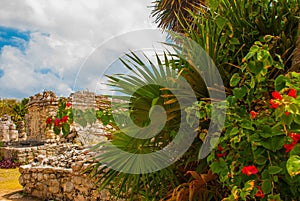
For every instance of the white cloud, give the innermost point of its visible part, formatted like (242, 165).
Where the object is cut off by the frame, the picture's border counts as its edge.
(63, 34)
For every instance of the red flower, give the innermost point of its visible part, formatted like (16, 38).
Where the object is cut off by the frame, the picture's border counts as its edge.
(289, 147)
(295, 137)
(253, 114)
(274, 104)
(249, 170)
(220, 148)
(259, 193)
(221, 155)
(292, 93)
(287, 113)
(57, 122)
(49, 120)
(64, 119)
(276, 95)
(68, 104)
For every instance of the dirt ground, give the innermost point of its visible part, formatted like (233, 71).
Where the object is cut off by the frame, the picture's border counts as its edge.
(16, 196)
(10, 189)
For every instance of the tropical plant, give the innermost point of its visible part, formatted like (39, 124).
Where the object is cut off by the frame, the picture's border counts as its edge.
(6, 106)
(20, 110)
(139, 94)
(170, 13)
(62, 120)
(258, 154)
(251, 44)
(227, 29)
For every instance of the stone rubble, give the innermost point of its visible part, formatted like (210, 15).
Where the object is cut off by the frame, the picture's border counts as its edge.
(53, 164)
(8, 131)
(60, 176)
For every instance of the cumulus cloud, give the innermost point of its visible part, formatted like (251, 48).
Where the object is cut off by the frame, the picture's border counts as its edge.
(63, 34)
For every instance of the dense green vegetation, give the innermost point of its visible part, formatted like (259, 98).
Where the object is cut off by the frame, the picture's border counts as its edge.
(256, 154)
(14, 108)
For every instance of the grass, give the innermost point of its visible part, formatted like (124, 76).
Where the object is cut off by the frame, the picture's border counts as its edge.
(9, 179)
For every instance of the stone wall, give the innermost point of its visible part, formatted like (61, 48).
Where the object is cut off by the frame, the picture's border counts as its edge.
(27, 155)
(61, 176)
(40, 106)
(45, 104)
(8, 130)
(91, 133)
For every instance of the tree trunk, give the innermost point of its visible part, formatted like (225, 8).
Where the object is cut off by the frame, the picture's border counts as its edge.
(296, 53)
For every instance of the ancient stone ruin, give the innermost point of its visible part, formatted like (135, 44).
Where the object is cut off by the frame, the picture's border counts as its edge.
(41, 106)
(54, 164)
(8, 130)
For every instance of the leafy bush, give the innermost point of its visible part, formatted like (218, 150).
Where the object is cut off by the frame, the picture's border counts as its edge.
(258, 154)
(251, 43)
(62, 120)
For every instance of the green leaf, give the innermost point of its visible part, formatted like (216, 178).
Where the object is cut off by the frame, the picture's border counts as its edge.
(234, 131)
(234, 41)
(247, 125)
(296, 150)
(240, 92)
(56, 130)
(213, 5)
(294, 108)
(66, 129)
(274, 197)
(280, 83)
(297, 119)
(260, 160)
(287, 120)
(219, 167)
(274, 169)
(273, 143)
(266, 186)
(293, 165)
(235, 79)
(255, 67)
(265, 175)
(252, 52)
(231, 100)
(220, 21)
(252, 82)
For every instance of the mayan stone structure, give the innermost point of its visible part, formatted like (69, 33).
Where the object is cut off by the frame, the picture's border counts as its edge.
(40, 106)
(8, 131)
(86, 100)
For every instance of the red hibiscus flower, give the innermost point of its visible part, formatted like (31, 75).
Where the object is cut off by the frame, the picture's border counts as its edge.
(220, 148)
(253, 114)
(287, 113)
(289, 147)
(49, 120)
(292, 93)
(64, 119)
(295, 136)
(259, 193)
(249, 170)
(57, 122)
(68, 104)
(221, 155)
(274, 104)
(276, 95)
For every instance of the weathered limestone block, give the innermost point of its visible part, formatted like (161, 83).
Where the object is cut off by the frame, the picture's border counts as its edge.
(68, 187)
(5, 133)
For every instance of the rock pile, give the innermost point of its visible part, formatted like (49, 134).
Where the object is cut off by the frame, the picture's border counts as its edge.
(8, 131)
(61, 175)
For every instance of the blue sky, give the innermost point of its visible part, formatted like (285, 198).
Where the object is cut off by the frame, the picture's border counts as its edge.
(45, 45)
(14, 37)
